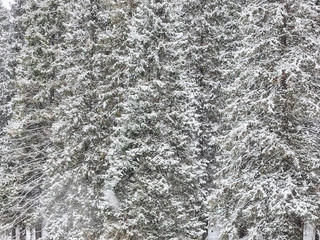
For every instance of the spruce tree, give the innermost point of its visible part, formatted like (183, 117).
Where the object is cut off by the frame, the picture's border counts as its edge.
(5, 53)
(202, 67)
(36, 32)
(152, 158)
(269, 150)
(209, 34)
(5, 94)
(81, 129)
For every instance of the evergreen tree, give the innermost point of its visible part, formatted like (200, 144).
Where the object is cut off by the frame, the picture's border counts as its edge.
(82, 124)
(209, 33)
(152, 158)
(5, 28)
(37, 27)
(202, 67)
(269, 150)
(5, 92)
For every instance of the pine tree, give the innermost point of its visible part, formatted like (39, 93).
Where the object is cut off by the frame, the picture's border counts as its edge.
(36, 30)
(5, 92)
(5, 28)
(202, 66)
(209, 37)
(269, 150)
(82, 124)
(152, 156)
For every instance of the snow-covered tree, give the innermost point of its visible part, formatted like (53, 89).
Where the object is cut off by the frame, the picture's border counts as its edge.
(153, 167)
(209, 32)
(5, 92)
(36, 31)
(5, 53)
(269, 150)
(202, 69)
(83, 120)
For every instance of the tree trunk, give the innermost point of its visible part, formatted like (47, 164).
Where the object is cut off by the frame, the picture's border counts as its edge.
(309, 231)
(213, 232)
(33, 233)
(28, 233)
(44, 232)
(17, 232)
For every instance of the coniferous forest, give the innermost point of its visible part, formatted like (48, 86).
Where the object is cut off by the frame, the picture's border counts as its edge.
(160, 120)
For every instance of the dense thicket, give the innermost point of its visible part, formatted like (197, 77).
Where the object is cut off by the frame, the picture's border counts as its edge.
(156, 119)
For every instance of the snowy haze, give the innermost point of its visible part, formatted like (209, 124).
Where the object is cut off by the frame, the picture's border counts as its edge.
(7, 3)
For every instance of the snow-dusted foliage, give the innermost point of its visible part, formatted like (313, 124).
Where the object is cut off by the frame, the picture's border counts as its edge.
(201, 71)
(160, 119)
(80, 130)
(5, 59)
(269, 152)
(153, 168)
(5, 94)
(27, 131)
